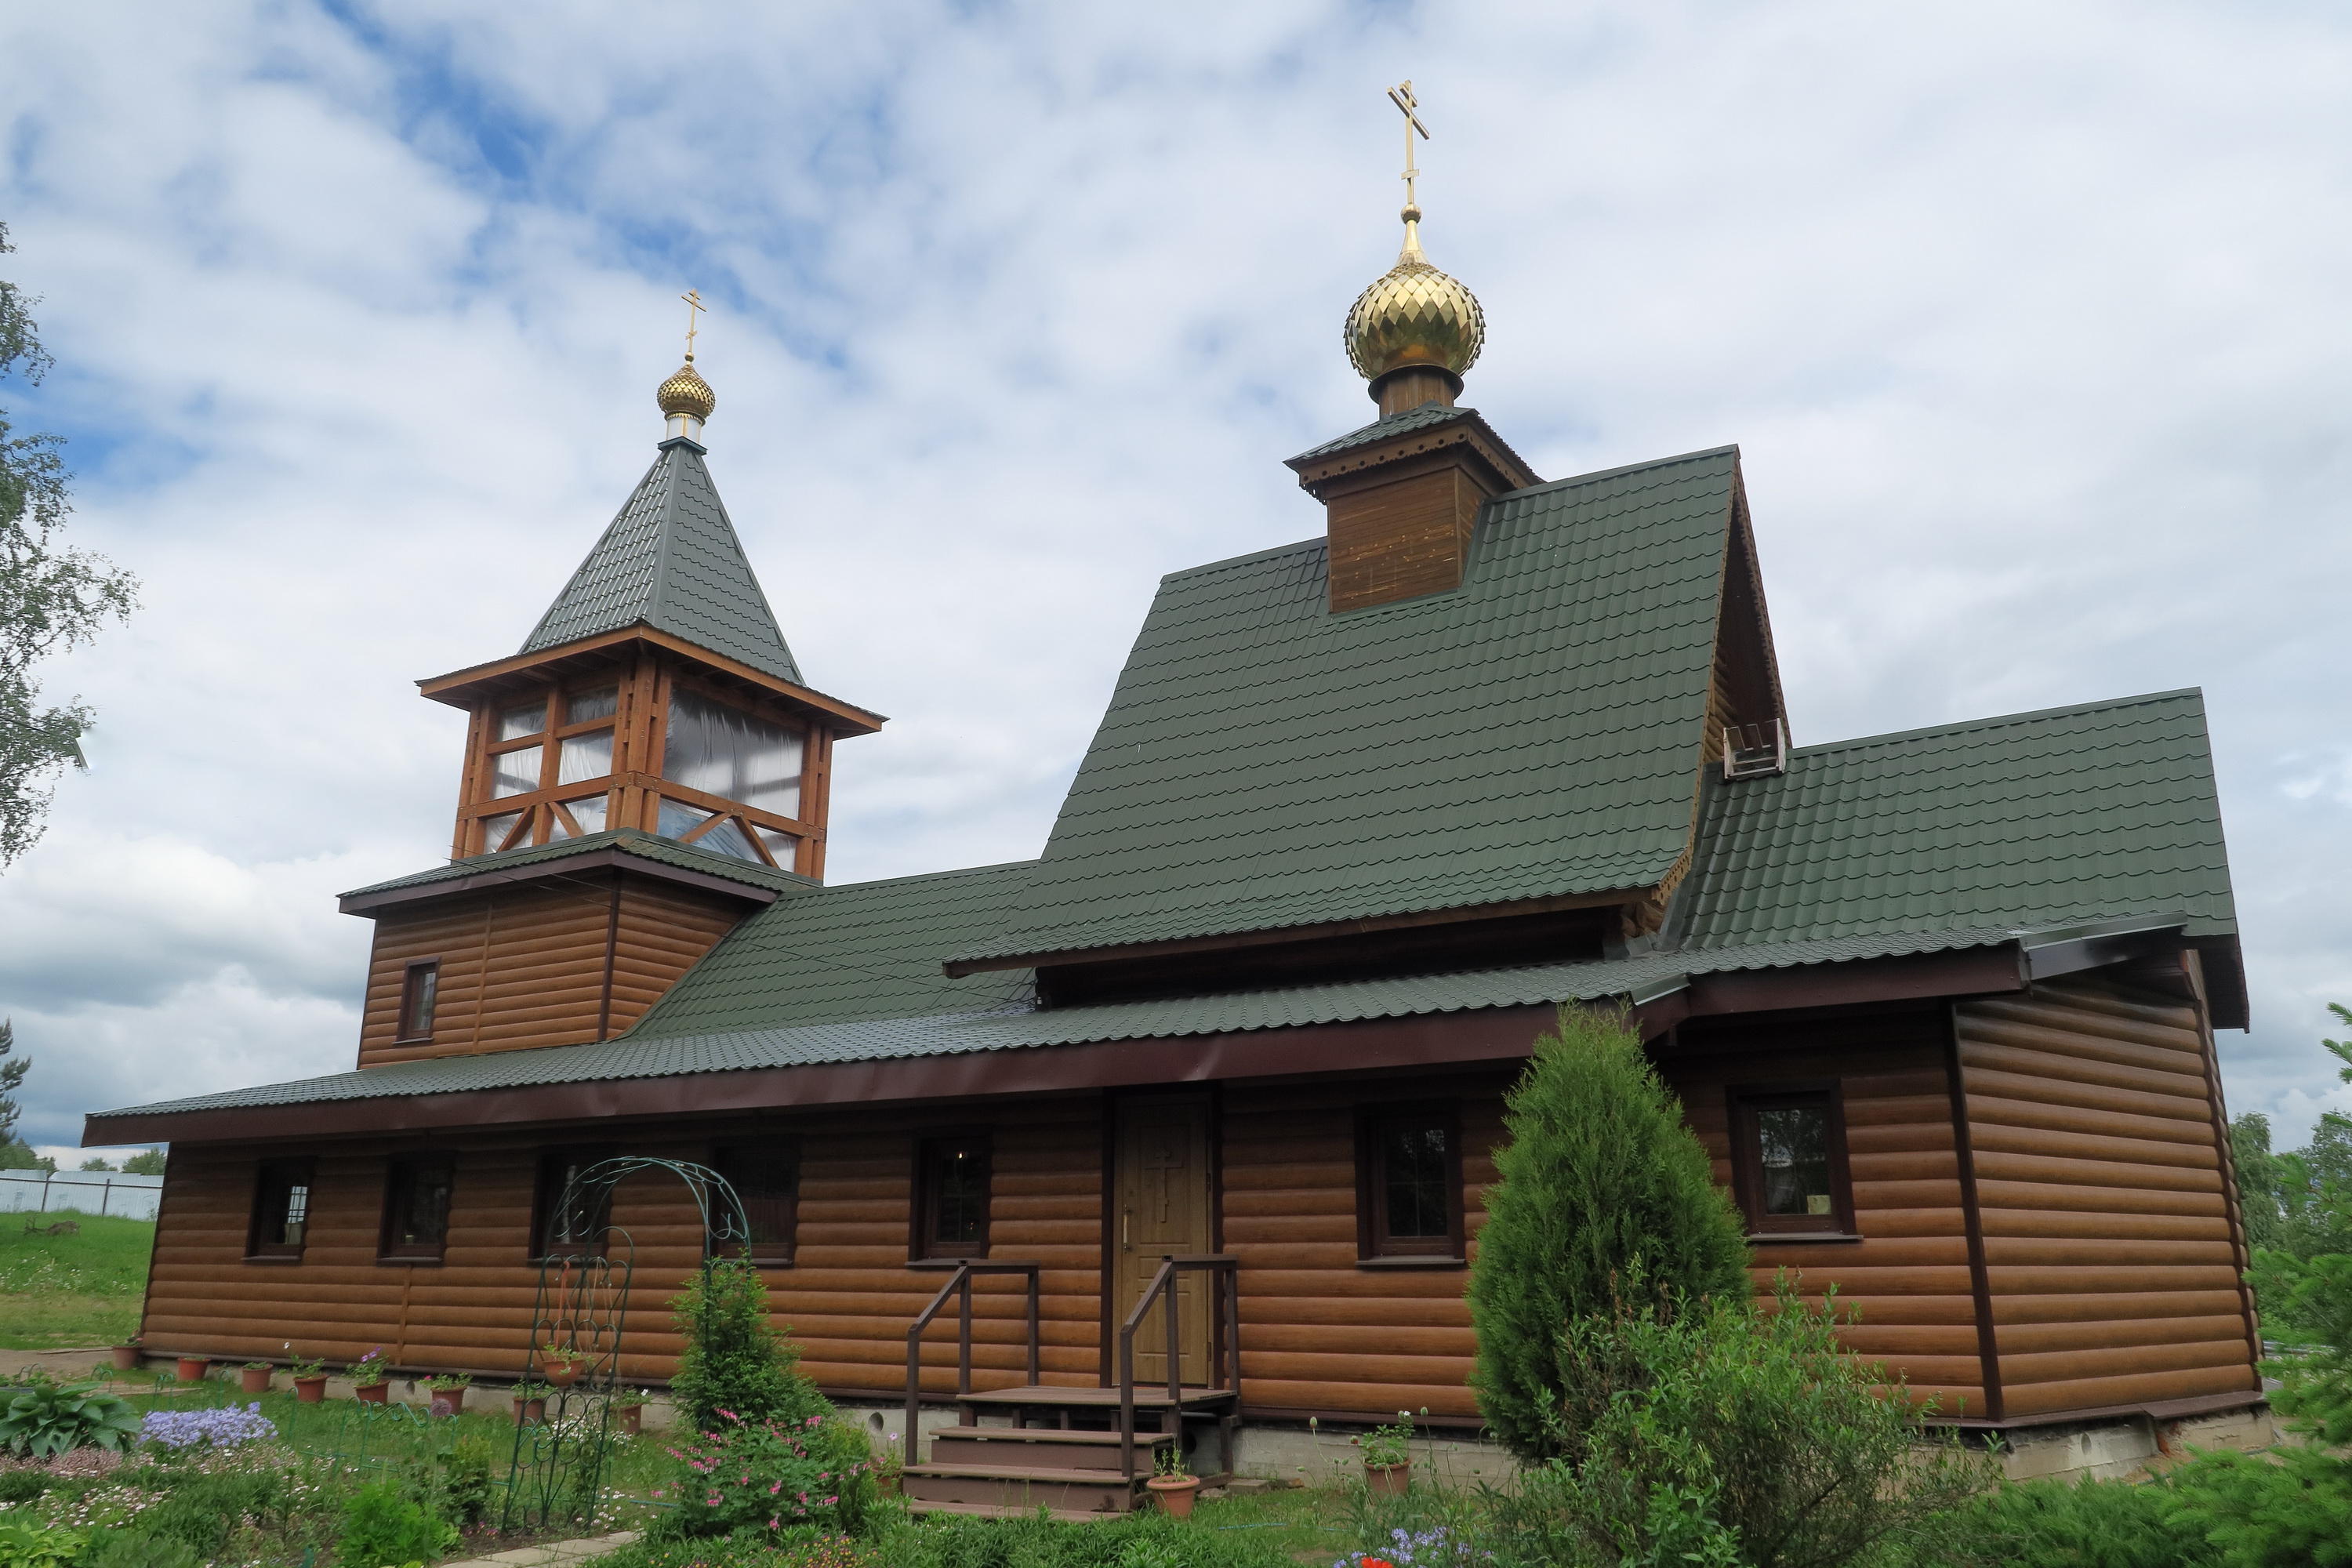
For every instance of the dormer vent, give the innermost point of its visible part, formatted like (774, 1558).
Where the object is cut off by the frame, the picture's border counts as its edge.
(1754, 751)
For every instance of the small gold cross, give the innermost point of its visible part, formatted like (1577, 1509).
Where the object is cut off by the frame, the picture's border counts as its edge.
(1402, 96)
(694, 302)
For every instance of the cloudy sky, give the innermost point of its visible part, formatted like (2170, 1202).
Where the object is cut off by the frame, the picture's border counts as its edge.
(2031, 321)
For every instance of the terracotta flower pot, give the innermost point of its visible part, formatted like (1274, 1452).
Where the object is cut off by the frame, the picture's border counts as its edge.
(448, 1401)
(561, 1374)
(1389, 1480)
(1175, 1494)
(310, 1390)
(192, 1368)
(889, 1484)
(373, 1393)
(254, 1380)
(631, 1417)
(526, 1410)
(129, 1358)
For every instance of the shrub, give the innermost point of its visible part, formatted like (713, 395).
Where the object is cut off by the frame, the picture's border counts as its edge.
(764, 1476)
(51, 1418)
(1601, 1182)
(201, 1509)
(732, 1359)
(2093, 1524)
(24, 1544)
(1733, 1434)
(380, 1526)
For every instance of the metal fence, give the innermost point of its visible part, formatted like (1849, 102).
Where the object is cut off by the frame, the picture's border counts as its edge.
(79, 1192)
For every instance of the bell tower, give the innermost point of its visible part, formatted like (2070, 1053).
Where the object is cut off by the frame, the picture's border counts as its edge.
(657, 692)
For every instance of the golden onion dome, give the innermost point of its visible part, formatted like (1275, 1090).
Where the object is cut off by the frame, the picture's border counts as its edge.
(687, 393)
(1415, 314)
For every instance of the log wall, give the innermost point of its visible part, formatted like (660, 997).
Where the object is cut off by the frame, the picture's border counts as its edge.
(2112, 1249)
(1909, 1279)
(554, 963)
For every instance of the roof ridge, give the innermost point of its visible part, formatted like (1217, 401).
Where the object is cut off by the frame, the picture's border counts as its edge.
(1732, 449)
(1998, 721)
(927, 875)
(1303, 546)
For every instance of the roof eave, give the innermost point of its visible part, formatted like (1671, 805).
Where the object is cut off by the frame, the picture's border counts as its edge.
(367, 900)
(464, 688)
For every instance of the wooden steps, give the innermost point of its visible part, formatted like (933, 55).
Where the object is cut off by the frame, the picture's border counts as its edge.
(1073, 1471)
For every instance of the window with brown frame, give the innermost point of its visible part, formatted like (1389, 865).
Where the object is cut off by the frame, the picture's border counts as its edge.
(1409, 1184)
(550, 770)
(1789, 1160)
(952, 1193)
(766, 1175)
(417, 1208)
(580, 1232)
(420, 986)
(281, 1209)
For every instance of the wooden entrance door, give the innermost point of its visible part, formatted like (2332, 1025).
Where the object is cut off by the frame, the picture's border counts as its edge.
(1160, 1204)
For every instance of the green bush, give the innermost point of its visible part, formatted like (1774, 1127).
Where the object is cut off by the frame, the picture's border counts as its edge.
(51, 1418)
(380, 1526)
(24, 1544)
(202, 1509)
(732, 1359)
(2090, 1524)
(1601, 1182)
(1732, 1434)
(764, 1476)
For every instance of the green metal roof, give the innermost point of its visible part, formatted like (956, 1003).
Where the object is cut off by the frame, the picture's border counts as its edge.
(1425, 416)
(671, 561)
(2099, 811)
(668, 851)
(1536, 732)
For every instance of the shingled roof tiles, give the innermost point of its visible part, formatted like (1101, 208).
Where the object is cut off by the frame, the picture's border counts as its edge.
(671, 561)
(1426, 416)
(1266, 764)
(2071, 813)
(866, 950)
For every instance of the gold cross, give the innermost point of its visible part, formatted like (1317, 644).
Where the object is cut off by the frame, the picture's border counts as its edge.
(1402, 96)
(694, 302)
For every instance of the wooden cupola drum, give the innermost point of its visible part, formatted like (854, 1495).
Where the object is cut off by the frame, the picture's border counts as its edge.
(1403, 494)
(657, 692)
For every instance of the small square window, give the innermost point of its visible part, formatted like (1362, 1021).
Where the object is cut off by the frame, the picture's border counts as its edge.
(420, 987)
(952, 1186)
(766, 1176)
(597, 702)
(1408, 1184)
(516, 771)
(281, 1209)
(578, 1231)
(525, 719)
(417, 1208)
(1789, 1160)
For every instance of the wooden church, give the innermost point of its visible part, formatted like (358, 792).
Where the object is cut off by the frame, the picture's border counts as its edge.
(1364, 811)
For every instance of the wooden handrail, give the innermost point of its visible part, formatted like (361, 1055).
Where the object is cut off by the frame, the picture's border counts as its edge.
(960, 1285)
(1226, 1267)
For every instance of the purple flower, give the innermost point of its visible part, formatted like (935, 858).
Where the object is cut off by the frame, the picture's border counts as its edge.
(226, 1428)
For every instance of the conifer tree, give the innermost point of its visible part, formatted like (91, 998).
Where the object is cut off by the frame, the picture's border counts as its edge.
(1602, 1191)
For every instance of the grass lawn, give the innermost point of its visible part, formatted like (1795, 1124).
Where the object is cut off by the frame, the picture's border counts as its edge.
(58, 1292)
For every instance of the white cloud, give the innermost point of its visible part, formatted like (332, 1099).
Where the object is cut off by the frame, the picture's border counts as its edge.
(2029, 322)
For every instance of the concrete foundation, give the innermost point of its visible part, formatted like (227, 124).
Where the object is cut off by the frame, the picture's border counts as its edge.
(2130, 1447)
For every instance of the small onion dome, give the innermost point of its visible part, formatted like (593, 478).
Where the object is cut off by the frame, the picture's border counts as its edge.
(1415, 314)
(687, 393)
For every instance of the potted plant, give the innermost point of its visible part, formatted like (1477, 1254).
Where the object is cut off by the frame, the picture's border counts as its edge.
(531, 1402)
(449, 1392)
(629, 1410)
(372, 1377)
(561, 1364)
(130, 1355)
(309, 1375)
(255, 1376)
(1387, 1460)
(192, 1368)
(1171, 1484)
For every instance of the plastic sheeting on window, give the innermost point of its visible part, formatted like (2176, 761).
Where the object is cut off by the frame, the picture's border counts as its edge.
(782, 845)
(496, 828)
(588, 813)
(583, 757)
(677, 819)
(599, 702)
(727, 839)
(514, 723)
(515, 772)
(725, 752)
